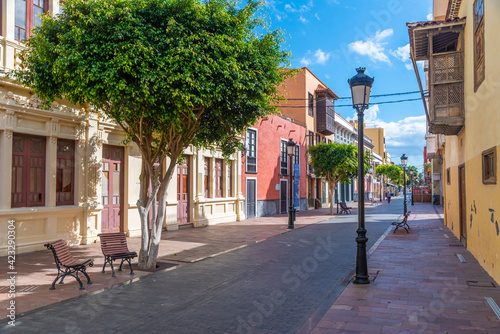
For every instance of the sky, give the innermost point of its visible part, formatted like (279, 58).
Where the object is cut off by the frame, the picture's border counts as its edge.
(334, 37)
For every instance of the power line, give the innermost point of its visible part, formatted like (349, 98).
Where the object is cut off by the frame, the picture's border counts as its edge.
(371, 96)
(350, 105)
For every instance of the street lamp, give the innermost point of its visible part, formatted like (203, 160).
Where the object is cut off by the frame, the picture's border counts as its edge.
(404, 161)
(361, 85)
(411, 178)
(290, 149)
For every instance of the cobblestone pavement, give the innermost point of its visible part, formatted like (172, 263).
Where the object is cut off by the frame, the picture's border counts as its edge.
(273, 286)
(422, 286)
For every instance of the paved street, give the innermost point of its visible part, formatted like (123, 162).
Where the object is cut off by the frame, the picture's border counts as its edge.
(269, 287)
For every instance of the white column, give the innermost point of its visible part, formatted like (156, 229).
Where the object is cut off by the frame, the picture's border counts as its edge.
(6, 168)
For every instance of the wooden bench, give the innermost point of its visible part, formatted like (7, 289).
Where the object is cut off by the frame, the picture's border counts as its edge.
(403, 223)
(344, 208)
(114, 247)
(67, 264)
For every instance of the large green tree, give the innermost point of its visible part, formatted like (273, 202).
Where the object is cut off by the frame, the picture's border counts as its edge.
(171, 73)
(393, 172)
(336, 163)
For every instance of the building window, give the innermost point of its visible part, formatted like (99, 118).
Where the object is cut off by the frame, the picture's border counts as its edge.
(207, 177)
(251, 151)
(230, 179)
(65, 183)
(28, 171)
(479, 67)
(310, 106)
(448, 179)
(489, 166)
(324, 139)
(28, 15)
(329, 141)
(311, 138)
(283, 159)
(296, 155)
(318, 139)
(218, 178)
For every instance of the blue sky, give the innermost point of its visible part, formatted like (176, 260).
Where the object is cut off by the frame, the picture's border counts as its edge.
(333, 37)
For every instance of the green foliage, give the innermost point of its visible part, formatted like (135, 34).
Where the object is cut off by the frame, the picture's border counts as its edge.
(395, 173)
(336, 162)
(197, 70)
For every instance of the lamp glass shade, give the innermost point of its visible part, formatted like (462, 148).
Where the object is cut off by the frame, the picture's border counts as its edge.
(404, 160)
(360, 88)
(290, 147)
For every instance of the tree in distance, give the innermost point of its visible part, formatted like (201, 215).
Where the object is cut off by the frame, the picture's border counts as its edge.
(336, 163)
(170, 73)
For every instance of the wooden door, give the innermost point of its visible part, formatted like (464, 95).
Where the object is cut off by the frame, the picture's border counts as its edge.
(183, 192)
(112, 188)
(283, 196)
(463, 203)
(251, 196)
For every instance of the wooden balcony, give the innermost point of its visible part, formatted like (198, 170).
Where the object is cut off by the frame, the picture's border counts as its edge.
(441, 43)
(325, 114)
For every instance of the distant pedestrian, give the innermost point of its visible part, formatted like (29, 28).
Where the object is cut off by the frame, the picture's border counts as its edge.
(388, 197)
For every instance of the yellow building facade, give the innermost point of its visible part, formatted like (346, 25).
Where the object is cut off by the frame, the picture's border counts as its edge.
(461, 47)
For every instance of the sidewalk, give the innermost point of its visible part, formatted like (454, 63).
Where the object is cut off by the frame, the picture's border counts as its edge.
(37, 270)
(419, 285)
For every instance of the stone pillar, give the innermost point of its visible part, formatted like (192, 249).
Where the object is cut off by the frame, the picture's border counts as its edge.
(6, 167)
(240, 215)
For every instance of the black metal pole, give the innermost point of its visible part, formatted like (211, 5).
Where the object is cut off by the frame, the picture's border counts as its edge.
(361, 261)
(404, 187)
(290, 208)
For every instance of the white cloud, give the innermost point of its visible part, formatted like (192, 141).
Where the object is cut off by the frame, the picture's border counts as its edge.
(327, 76)
(278, 17)
(406, 135)
(317, 16)
(430, 17)
(373, 46)
(409, 66)
(291, 8)
(303, 20)
(402, 53)
(319, 57)
(305, 61)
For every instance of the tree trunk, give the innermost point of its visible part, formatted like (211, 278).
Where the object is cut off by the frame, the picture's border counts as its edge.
(330, 193)
(150, 243)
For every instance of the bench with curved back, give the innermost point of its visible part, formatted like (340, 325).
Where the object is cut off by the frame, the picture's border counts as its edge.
(67, 264)
(344, 208)
(114, 247)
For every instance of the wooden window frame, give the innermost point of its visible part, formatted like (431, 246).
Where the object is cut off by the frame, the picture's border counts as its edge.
(283, 158)
(219, 178)
(206, 177)
(60, 170)
(310, 105)
(29, 18)
(229, 178)
(448, 179)
(479, 59)
(26, 171)
(251, 152)
(485, 156)
(311, 138)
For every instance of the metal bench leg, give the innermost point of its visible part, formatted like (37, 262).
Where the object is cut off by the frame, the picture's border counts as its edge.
(52, 287)
(112, 268)
(79, 282)
(84, 271)
(104, 266)
(130, 265)
(121, 264)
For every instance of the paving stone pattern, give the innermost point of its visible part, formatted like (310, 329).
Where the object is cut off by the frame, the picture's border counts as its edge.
(269, 287)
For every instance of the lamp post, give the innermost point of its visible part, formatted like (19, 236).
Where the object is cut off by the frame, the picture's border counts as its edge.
(411, 179)
(360, 85)
(290, 149)
(404, 161)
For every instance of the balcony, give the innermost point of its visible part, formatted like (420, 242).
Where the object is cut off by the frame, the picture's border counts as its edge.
(441, 43)
(325, 111)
